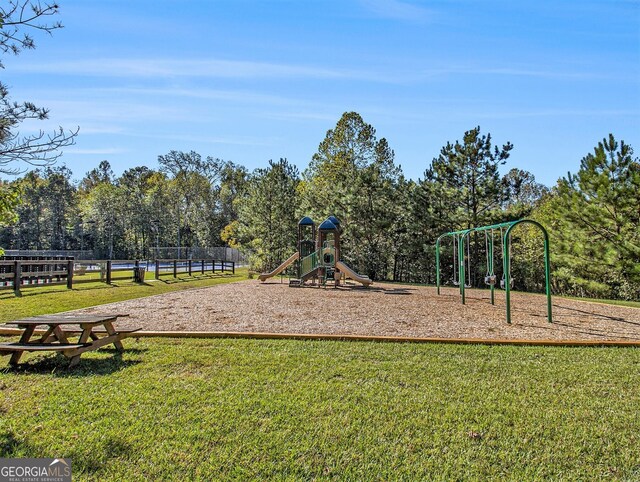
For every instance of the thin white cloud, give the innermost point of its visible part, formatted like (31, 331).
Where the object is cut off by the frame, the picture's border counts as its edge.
(522, 71)
(240, 69)
(214, 68)
(108, 112)
(397, 10)
(243, 96)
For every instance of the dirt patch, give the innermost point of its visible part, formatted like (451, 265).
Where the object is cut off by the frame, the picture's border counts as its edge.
(383, 309)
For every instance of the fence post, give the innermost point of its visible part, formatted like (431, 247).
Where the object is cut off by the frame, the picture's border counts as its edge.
(189, 267)
(222, 264)
(175, 268)
(108, 271)
(157, 268)
(213, 265)
(233, 267)
(70, 274)
(17, 274)
(202, 268)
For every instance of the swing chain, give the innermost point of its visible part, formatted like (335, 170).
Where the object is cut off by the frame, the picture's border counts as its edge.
(468, 264)
(490, 278)
(503, 282)
(456, 267)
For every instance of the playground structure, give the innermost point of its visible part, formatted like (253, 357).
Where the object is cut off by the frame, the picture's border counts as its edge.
(318, 256)
(462, 260)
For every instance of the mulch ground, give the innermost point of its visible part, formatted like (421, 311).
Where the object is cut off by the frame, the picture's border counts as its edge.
(383, 309)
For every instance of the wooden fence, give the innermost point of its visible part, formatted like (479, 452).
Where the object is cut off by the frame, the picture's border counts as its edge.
(165, 267)
(20, 271)
(17, 273)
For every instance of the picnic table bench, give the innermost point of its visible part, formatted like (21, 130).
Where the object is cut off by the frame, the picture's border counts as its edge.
(56, 337)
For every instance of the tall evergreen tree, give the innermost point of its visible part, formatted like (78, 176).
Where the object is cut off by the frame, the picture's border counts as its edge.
(467, 180)
(353, 176)
(267, 218)
(595, 223)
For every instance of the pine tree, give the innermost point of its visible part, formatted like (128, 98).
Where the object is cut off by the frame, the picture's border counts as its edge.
(267, 218)
(594, 219)
(353, 176)
(466, 181)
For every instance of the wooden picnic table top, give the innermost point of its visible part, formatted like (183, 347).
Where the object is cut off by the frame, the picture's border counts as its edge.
(55, 338)
(65, 319)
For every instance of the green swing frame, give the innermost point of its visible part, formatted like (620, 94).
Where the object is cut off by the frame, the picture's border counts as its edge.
(462, 237)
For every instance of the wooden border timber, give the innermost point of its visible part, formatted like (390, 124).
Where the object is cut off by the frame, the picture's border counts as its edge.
(381, 338)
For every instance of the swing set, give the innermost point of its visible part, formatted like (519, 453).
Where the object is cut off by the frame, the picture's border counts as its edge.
(462, 260)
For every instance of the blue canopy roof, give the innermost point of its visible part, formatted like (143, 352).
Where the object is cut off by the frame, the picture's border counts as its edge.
(327, 225)
(306, 221)
(334, 220)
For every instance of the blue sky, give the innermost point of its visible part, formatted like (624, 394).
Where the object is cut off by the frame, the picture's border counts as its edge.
(250, 81)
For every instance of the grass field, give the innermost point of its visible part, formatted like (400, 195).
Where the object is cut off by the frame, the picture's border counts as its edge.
(53, 299)
(291, 410)
(183, 409)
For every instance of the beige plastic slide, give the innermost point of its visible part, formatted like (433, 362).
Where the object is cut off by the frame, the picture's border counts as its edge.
(349, 273)
(280, 268)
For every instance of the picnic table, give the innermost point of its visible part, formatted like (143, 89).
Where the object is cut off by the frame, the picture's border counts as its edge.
(56, 336)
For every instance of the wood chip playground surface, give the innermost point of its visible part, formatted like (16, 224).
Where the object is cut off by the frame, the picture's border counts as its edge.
(382, 310)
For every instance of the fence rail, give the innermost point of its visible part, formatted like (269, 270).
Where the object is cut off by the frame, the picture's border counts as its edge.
(19, 272)
(189, 266)
(16, 273)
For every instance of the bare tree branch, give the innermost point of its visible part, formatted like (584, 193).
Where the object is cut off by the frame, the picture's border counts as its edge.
(39, 149)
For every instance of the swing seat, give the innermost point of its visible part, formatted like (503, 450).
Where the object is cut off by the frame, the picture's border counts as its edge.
(490, 279)
(467, 286)
(456, 283)
(503, 284)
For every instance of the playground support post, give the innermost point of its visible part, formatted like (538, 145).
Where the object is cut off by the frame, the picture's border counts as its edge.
(493, 284)
(438, 263)
(506, 261)
(507, 265)
(461, 274)
(462, 235)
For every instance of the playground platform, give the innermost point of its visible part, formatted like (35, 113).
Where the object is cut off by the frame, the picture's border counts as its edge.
(384, 310)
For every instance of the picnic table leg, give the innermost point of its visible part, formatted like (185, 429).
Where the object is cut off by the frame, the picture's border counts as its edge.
(111, 331)
(46, 338)
(60, 335)
(86, 333)
(26, 336)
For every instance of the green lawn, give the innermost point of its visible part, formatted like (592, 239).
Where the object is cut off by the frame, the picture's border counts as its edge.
(53, 299)
(187, 409)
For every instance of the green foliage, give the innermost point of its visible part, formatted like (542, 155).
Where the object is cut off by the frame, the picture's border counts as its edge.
(462, 189)
(594, 220)
(267, 215)
(225, 409)
(124, 217)
(468, 176)
(9, 200)
(353, 176)
(390, 223)
(521, 193)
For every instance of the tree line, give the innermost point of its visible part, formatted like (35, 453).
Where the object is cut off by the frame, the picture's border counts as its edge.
(390, 222)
